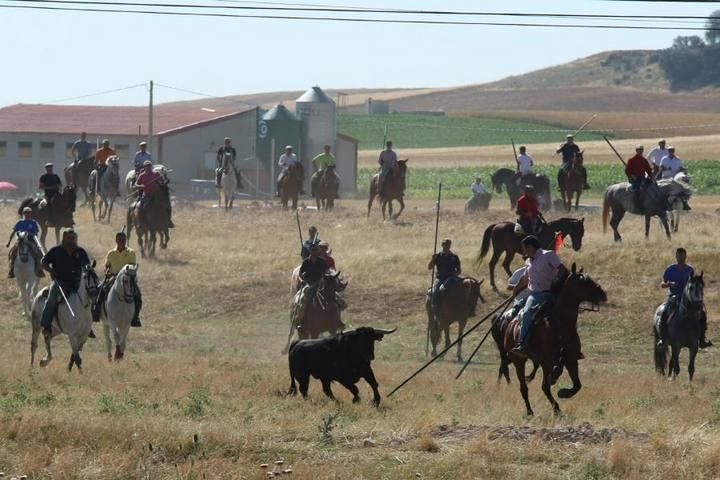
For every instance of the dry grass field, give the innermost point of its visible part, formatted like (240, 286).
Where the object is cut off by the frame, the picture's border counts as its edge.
(201, 392)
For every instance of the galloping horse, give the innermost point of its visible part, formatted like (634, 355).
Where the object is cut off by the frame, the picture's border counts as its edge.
(555, 342)
(290, 186)
(684, 329)
(505, 177)
(228, 183)
(458, 304)
(574, 182)
(108, 189)
(655, 201)
(393, 189)
(118, 311)
(78, 174)
(326, 189)
(77, 327)
(151, 220)
(62, 212)
(25, 270)
(505, 240)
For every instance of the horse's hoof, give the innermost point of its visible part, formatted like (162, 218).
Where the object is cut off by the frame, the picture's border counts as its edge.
(566, 393)
(460, 360)
(44, 363)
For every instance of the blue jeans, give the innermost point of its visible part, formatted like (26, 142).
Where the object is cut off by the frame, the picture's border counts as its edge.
(528, 314)
(435, 294)
(50, 306)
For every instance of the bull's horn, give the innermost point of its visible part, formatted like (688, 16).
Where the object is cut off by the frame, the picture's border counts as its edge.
(337, 274)
(385, 331)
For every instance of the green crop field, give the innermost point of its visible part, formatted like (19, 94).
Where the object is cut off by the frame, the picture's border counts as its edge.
(433, 131)
(423, 182)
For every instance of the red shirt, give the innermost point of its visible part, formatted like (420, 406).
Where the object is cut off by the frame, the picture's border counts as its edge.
(638, 166)
(330, 261)
(149, 181)
(527, 207)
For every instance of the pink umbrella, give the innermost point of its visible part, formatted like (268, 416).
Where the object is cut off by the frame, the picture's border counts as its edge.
(8, 186)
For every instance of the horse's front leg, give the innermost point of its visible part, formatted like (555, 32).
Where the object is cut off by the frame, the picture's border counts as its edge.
(402, 206)
(647, 227)
(108, 341)
(664, 221)
(48, 353)
(577, 200)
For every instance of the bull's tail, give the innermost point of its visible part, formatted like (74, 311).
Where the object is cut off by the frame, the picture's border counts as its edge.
(485, 242)
(606, 210)
(497, 334)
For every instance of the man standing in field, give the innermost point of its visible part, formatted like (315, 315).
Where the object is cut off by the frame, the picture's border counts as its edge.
(388, 163)
(543, 267)
(569, 150)
(638, 172)
(674, 279)
(656, 155)
(447, 268)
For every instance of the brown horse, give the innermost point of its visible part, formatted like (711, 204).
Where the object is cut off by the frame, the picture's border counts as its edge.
(574, 182)
(458, 304)
(62, 212)
(553, 343)
(322, 313)
(505, 240)
(393, 189)
(151, 220)
(78, 174)
(290, 186)
(326, 189)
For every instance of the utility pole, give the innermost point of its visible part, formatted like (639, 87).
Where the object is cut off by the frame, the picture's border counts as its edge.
(150, 118)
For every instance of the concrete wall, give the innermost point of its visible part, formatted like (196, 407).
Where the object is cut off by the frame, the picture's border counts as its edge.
(25, 171)
(346, 157)
(185, 151)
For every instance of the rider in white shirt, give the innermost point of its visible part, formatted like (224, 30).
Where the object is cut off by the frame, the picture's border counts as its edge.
(656, 155)
(477, 187)
(670, 165)
(525, 162)
(286, 160)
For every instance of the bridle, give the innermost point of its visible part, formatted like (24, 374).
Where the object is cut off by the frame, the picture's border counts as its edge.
(128, 294)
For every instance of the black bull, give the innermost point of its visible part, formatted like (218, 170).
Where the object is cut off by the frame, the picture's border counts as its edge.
(344, 358)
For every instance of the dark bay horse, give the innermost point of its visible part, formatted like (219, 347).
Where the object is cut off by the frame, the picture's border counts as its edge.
(554, 342)
(326, 189)
(78, 174)
(150, 221)
(507, 178)
(504, 239)
(656, 198)
(574, 182)
(290, 186)
(323, 312)
(684, 329)
(458, 304)
(393, 189)
(62, 212)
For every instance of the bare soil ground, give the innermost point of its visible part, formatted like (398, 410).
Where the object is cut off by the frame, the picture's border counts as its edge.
(201, 392)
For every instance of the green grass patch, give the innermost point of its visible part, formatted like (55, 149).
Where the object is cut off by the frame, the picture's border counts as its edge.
(422, 182)
(435, 131)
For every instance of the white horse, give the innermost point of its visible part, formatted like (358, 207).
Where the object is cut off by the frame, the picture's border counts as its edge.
(119, 310)
(77, 327)
(25, 270)
(108, 189)
(131, 176)
(228, 183)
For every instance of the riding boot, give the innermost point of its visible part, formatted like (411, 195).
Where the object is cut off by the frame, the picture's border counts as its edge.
(96, 310)
(662, 327)
(686, 206)
(11, 265)
(218, 177)
(138, 306)
(277, 191)
(704, 342)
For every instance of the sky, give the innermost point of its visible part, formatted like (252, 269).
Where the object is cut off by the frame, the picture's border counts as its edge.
(48, 56)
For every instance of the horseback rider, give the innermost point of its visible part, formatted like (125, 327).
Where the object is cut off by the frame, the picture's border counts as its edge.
(227, 150)
(64, 263)
(51, 184)
(81, 150)
(478, 188)
(447, 268)
(638, 172)
(149, 183)
(311, 272)
(674, 279)
(388, 165)
(31, 229)
(656, 155)
(524, 164)
(569, 151)
(543, 267)
(325, 252)
(522, 295)
(116, 259)
(529, 217)
(101, 156)
(670, 166)
(141, 156)
(326, 164)
(287, 160)
(312, 239)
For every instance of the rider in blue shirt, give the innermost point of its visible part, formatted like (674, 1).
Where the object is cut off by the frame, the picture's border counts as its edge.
(675, 278)
(31, 227)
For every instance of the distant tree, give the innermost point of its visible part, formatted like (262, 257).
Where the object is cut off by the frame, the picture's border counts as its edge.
(688, 42)
(713, 25)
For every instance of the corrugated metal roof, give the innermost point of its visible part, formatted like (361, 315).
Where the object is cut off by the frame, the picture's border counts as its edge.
(110, 120)
(279, 112)
(315, 95)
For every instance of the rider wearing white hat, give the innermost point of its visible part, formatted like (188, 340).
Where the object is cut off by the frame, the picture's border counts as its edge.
(141, 156)
(656, 155)
(288, 159)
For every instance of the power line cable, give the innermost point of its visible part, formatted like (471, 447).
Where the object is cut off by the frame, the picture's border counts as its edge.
(200, 94)
(96, 94)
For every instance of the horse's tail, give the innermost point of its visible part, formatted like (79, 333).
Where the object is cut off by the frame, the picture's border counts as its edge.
(606, 210)
(497, 334)
(372, 194)
(485, 242)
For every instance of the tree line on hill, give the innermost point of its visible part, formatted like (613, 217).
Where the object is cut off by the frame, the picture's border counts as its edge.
(692, 62)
